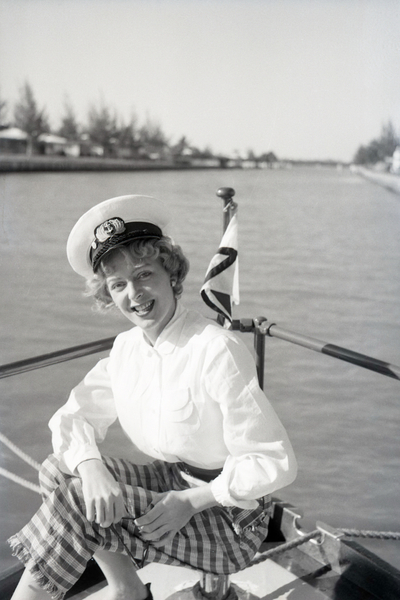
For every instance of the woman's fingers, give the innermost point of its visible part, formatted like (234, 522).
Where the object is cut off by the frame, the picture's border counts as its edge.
(154, 533)
(106, 511)
(102, 513)
(149, 519)
(169, 513)
(90, 511)
(160, 536)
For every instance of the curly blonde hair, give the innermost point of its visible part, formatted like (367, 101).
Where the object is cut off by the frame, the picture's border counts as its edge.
(170, 255)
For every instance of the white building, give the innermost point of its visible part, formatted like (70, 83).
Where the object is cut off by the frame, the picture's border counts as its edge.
(55, 145)
(13, 141)
(395, 167)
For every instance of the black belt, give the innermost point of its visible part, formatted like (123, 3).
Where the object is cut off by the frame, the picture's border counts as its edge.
(203, 474)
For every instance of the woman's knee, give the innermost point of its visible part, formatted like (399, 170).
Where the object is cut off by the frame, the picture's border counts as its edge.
(67, 498)
(50, 475)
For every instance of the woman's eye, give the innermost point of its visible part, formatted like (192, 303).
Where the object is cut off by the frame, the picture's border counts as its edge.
(118, 285)
(144, 275)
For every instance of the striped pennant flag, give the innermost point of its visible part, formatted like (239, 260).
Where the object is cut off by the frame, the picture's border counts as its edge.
(221, 284)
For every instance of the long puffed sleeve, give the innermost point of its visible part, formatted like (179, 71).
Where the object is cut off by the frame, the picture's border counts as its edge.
(83, 421)
(261, 459)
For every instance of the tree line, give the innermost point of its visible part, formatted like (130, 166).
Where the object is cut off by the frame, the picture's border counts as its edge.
(380, 148)
(103, 126)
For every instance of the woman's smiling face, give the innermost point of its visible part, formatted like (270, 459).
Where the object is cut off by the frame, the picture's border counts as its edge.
(141, 289)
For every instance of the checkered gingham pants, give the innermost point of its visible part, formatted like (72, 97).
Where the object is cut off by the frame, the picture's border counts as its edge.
(58, 541)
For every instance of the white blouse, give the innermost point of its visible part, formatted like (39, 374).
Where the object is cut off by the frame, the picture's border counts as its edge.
(193, 397)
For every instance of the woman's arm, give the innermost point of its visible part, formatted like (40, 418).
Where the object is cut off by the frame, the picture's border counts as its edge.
(83, 421)
(261, 459)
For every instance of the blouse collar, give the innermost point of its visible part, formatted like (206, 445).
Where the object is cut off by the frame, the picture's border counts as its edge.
(169, 337)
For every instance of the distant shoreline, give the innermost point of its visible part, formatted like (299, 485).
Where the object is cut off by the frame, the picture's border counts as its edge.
(22, 163)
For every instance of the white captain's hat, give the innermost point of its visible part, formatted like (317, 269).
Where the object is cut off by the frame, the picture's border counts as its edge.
(113, 223)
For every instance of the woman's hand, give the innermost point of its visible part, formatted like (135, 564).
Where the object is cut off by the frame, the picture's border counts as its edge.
(103, 496)
(171, 511)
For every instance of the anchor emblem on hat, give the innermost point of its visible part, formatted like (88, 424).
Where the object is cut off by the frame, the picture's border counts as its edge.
(107, 229)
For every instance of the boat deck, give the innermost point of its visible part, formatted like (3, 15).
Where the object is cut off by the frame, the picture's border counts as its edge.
(268, 580)
(319, 565)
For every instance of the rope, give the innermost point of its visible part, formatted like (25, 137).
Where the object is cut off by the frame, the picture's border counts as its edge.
(287, 546)
(381, 535)
(20, 480)
(28, 459)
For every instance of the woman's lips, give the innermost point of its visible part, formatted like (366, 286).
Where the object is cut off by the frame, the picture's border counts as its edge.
(143, 309)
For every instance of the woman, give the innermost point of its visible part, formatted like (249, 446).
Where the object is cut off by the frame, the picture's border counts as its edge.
(186, 394)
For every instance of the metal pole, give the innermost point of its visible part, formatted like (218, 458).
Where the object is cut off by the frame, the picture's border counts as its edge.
(227, 193)
(230, 207)
(214, 586)
(355, 358)
(259, 347)
(53, 358)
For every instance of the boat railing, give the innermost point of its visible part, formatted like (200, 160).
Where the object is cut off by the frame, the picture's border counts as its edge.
(53, 358)
(260, 327)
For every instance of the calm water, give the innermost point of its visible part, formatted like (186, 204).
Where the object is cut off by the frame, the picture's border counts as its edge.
(319, 254)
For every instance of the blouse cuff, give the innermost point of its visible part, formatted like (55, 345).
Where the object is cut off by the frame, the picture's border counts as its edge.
(73, 459)
(221, 493)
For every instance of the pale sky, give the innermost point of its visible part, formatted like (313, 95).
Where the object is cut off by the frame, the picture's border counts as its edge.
(303, 78)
